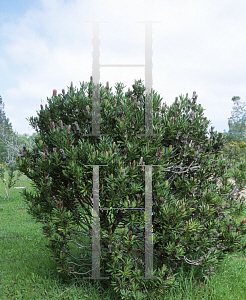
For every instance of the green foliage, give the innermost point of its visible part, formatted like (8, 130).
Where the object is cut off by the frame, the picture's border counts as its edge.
(192, 221)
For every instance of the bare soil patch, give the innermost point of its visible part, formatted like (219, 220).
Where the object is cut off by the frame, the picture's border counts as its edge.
(242, 193)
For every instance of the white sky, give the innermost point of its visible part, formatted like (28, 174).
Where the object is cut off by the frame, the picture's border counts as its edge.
(198, 46)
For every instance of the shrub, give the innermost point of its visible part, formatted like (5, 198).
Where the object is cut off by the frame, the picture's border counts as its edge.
(11, 168)
(238, 149)
(192, 223)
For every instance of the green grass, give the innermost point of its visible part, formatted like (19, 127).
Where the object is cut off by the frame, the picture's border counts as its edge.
(26, 267)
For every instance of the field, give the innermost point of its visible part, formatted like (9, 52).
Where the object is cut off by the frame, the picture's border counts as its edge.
(26, 269)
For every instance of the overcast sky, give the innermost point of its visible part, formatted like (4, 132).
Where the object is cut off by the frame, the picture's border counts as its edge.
(198, 46)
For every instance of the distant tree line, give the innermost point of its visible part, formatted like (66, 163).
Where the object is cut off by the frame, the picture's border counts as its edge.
(10, 141)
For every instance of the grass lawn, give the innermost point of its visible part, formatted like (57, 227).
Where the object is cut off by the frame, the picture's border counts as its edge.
(25, 266)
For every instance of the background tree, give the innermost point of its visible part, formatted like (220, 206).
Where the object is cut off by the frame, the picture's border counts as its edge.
(236, 136)
(237, 122)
